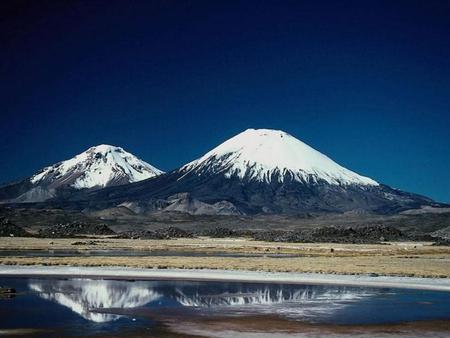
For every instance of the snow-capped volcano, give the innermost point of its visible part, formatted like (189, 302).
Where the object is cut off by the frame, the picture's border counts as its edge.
(99, 166)
(266, 155)
(261, 171)
(257, 171)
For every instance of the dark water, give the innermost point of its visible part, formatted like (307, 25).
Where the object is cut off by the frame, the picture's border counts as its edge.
(132, 253)
(83, 307)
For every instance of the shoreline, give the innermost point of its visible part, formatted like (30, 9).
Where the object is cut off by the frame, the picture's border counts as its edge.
(205, 275)
(394, 259)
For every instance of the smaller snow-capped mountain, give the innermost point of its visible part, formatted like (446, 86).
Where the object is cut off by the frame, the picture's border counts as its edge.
(266, 155)
(98, 167)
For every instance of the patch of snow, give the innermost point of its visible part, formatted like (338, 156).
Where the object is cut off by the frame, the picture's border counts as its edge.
(265, 154)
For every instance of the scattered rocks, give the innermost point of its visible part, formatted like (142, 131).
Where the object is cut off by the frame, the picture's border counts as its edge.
(224, 232)
(365, 234)
(274, 236)
(9, 229)
(243, 233)
(218, 232)
(163, 233)
(75, 229)
(173, 232)
(84, 243)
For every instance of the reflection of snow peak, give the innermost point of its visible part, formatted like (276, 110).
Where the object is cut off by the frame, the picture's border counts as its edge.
(82, 295)
(304, 302)
(267, 296)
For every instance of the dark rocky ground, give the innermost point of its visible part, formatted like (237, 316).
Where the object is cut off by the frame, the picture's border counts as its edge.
(342, 228)
(330, 234)
(9, 229)
(163, 233)
(74, 229)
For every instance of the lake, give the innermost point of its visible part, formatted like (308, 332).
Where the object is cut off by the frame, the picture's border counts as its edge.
(92, 307)
(136, 253)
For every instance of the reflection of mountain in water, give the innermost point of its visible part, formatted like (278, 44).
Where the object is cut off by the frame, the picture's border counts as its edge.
(287, 300)
(81, 295)
(267, 295)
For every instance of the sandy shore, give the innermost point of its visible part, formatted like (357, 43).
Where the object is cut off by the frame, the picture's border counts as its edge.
(442, 284)
(392, 259)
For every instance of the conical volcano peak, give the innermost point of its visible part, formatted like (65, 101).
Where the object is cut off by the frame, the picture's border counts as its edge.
(104, 148)
(99, 166)
(267, 155)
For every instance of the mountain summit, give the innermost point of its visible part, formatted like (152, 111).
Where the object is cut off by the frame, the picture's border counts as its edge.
(265, 155)
(98, 167)
(259, 171)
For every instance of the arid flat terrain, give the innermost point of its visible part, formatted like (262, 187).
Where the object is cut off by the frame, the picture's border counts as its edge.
(390, 259)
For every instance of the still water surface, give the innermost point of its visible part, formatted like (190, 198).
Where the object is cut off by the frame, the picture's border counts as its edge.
(87, 307)
(134, 253)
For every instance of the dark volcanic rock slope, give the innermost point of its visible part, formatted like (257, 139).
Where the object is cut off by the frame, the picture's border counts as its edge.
(259, 171)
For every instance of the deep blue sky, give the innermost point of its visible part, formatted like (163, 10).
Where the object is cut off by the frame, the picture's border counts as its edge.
(365, 82)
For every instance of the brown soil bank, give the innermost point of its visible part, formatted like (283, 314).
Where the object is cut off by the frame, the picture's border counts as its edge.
(401, 259)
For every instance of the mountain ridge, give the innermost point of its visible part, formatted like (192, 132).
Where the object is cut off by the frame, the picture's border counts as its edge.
(214, 178)
(259, 171)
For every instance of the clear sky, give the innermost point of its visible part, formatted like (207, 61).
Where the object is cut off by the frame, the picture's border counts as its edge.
(365, 82)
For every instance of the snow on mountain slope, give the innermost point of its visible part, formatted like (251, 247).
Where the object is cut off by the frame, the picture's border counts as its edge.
(265, 155)
(99, 166)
